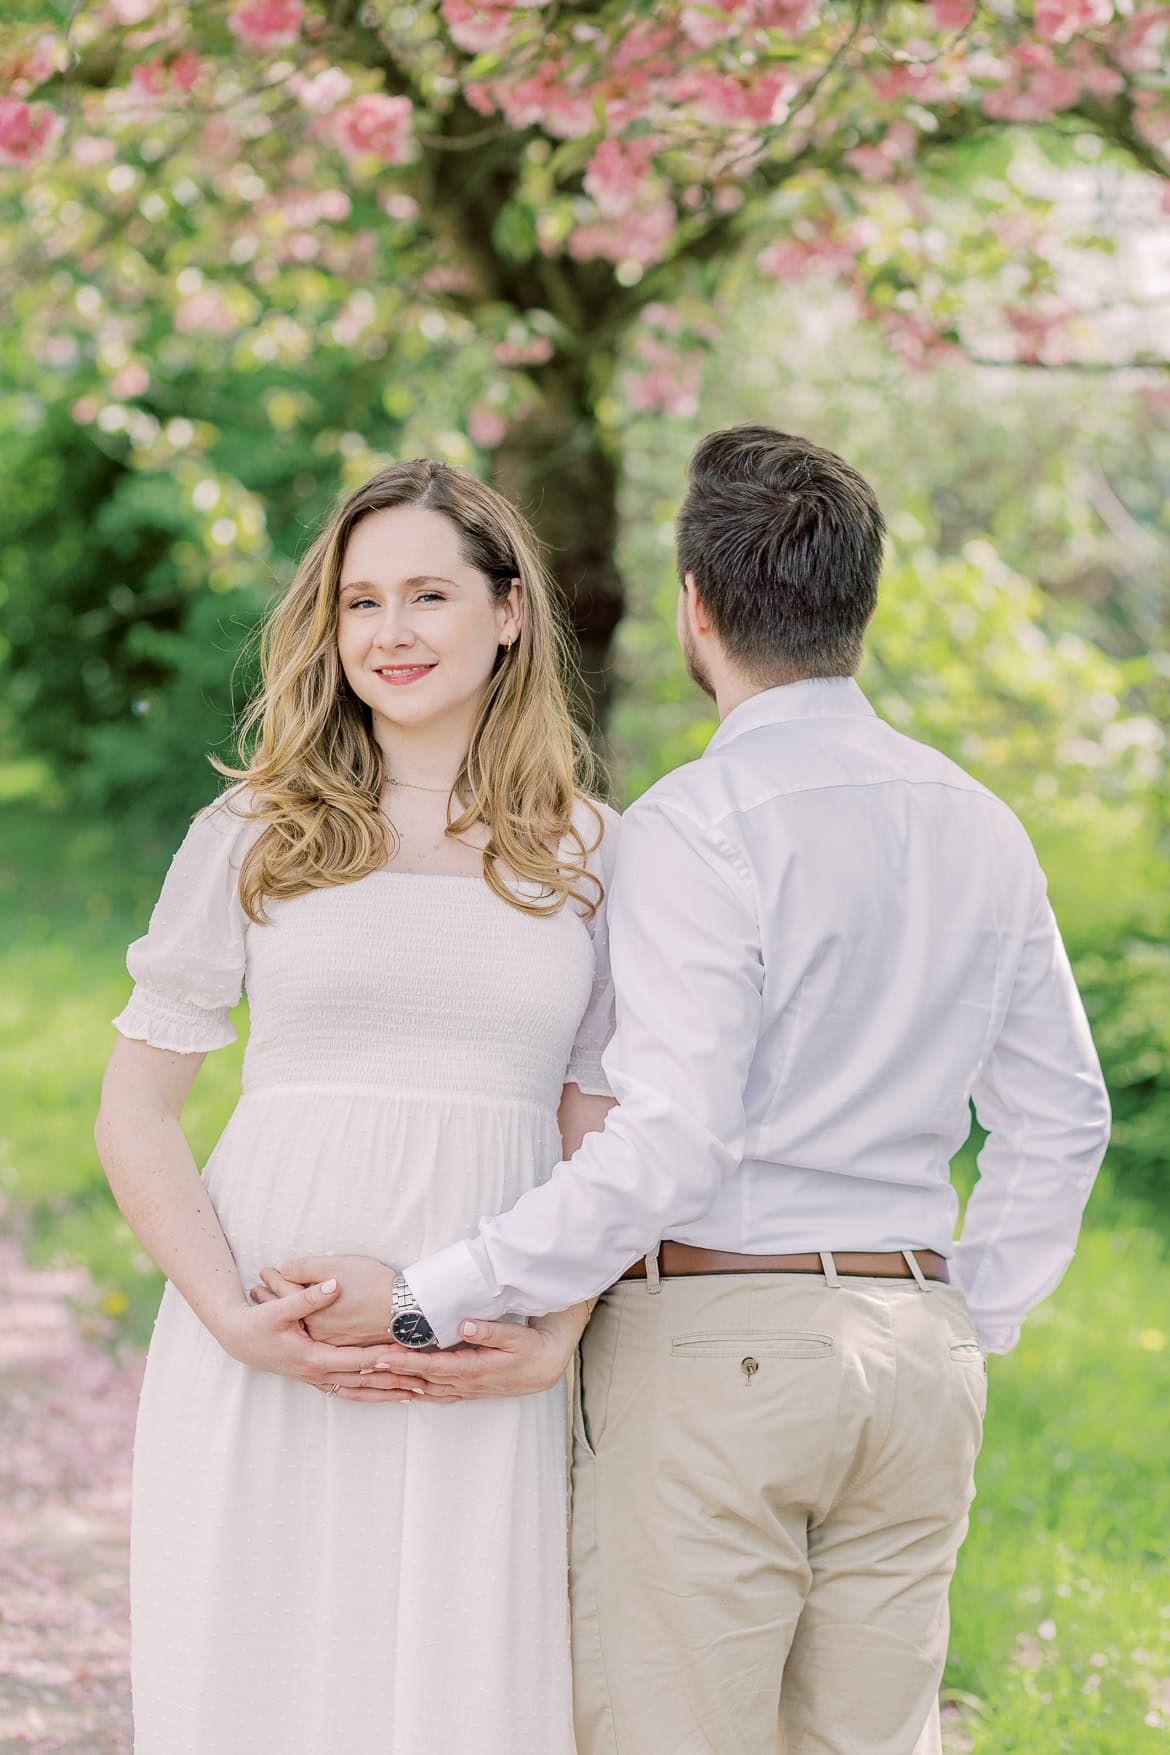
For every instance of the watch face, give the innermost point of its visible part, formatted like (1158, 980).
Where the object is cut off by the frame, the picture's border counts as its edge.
(411, 1329)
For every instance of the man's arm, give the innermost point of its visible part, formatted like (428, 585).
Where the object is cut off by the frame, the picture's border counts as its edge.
(1041, 1096)
(688, 974)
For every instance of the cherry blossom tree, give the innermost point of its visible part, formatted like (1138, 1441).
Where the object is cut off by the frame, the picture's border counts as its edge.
(532, 209)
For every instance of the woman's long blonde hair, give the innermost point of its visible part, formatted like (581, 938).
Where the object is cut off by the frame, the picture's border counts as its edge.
(308, 754)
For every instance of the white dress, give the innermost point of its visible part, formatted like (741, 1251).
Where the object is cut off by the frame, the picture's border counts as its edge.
(317, 1576)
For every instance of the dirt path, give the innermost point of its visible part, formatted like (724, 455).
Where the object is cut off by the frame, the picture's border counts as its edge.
(66, 1424)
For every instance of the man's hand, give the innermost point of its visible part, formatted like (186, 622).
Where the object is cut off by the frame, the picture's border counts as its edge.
(495, 1359)
(360, 1314)
(273, 1338)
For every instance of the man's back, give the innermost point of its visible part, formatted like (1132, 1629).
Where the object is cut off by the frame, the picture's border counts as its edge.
(899, 906)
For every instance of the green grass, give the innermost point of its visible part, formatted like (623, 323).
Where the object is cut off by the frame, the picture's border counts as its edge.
(1061, 1609)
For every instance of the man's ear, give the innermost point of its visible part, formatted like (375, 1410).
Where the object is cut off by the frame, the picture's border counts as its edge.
(696, 608)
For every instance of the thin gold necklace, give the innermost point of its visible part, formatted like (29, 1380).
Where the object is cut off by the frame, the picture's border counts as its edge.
(413, 787)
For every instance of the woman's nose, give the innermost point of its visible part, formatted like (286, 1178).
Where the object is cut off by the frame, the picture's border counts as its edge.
(394, 630)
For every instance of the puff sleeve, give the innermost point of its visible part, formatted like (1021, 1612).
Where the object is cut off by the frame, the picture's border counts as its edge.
(597, 1022)
(188, 968)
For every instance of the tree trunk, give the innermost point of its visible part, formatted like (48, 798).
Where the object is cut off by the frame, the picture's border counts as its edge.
(555, 469)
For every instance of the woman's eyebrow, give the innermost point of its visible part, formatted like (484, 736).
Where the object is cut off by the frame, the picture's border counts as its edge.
(406, 584)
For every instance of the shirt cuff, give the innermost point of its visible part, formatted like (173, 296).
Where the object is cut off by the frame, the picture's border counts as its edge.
(996, 1340)
(452, 1285)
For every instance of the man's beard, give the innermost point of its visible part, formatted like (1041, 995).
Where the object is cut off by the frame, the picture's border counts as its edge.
(694, 665)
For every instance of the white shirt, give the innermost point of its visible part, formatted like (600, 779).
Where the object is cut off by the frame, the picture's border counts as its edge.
(826, 938)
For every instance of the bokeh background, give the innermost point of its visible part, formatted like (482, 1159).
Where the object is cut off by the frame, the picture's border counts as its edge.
(248, 253)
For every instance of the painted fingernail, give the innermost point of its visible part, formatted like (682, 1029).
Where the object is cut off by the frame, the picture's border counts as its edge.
(328, 1285)
(383, 1365)
(418, 1392)
(469, 1328)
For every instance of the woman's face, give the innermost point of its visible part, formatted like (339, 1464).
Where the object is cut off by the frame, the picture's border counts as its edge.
(417, 628)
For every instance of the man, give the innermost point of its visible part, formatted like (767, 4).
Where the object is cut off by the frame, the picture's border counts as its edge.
(826, 939)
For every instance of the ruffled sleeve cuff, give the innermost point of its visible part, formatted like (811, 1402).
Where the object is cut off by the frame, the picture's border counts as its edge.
(174, 1024)
(586, 1072)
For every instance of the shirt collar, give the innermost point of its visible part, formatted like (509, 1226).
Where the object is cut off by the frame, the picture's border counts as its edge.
(817, 697)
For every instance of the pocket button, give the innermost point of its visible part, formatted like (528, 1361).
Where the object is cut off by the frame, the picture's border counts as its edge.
(749, 1367)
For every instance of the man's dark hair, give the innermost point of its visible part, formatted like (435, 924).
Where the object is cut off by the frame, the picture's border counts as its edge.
(785, 543)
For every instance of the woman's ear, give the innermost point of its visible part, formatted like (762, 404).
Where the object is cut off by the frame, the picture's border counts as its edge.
(512, 614)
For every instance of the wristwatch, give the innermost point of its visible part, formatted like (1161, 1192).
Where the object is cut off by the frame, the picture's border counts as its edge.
(408, 1326)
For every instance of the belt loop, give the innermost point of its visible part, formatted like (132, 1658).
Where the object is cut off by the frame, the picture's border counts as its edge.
(653, 1278)
(912, 1264)
(832, 1278)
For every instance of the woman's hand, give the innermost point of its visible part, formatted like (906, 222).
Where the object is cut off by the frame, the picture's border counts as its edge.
(272, 1337)
(358, 1316)
(496, 1359)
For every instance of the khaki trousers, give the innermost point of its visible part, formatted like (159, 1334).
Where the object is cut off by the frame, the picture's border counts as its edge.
(771, 1480)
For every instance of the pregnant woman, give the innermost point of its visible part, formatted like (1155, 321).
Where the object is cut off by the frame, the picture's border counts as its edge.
(408, 879)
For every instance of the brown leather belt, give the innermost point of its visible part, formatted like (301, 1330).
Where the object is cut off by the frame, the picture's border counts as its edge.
(675, 1259)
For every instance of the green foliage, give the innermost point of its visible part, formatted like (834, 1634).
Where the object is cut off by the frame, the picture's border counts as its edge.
(119, 656)
(1125, 982)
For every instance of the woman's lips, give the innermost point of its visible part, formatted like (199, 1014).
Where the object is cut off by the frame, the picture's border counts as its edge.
(399, 677)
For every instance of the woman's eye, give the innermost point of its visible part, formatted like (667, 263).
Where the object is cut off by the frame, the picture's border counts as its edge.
(357, 602)
(431, 597)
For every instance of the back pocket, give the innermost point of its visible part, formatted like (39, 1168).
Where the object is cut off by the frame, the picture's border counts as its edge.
(758, 1343)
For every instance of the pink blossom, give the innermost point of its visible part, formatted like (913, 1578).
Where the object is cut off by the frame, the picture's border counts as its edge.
(37, 62)
(486, 426)
(951, 15)
(133, 380)
(480, 98)
(93, 149)
(642, 53)
(1140, 47)
(1036, 328)
(665, 381)
(1152, 115)
(376, 125)
(708, 25)
(155, 78)
(642, 236)
(720, 21)
(186, 68)
(1058, 20)
(809, 251)
(912, 79)
(915, 337)
(790, 16)
(617, 174)
(1101, 81)
(536, 351)
(446, 279)
(149, 77)
(205, 312)
(551, 97)
(476, 29)
(1048, 91)
(723, 101)
(268, 24)
(879, 162)
(26, 131)
(323, 92)
(400, 207)
(663, 317)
